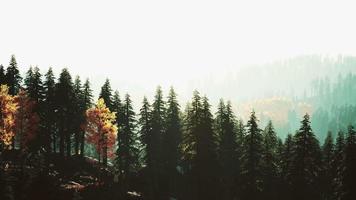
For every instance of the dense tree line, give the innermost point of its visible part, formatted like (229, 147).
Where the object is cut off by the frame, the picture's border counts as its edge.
(164, 152)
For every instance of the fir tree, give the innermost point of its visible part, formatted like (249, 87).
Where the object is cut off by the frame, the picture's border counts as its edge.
(49, 116)
(228, 149)
(269, 162)
(252, 165)
(106, 94)
(13, 78)
(349, 173)
(328, 169)
(2, 75)
(87, 103)
(306, 163)
(79, 113)
(127, 151)
(338, 164)
(64, 106)
(147, 145)
(171, 141)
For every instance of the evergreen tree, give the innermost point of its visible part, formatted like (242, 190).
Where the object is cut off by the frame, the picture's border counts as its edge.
(127, 151)
(49, 116)
(338, 164)
(2, 75)
(157, 132)
(349, 173)
(328, 170)
(171, 141)
(228, 149)
(35, 91)
(306, 163)
(286, 167)
(64, 105)
(34, 85)
(106, 94)
(252, 165)
(269, 162)
(87, 103)
(13, 78)
(147, 145)
(200, 150)
(79, 114)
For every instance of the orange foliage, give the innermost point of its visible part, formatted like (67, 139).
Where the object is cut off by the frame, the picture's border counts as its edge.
(26, 121)
(8, 108)
(100, 127)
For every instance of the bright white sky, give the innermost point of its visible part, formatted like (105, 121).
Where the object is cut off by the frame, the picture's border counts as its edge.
(140, 44)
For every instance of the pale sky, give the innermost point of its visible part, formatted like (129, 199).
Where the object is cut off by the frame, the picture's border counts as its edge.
(140, 44)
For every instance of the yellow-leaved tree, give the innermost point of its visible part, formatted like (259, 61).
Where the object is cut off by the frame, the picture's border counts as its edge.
(101, 129)
(8, 109)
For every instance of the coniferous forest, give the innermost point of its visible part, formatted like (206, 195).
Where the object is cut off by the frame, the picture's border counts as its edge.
(58, 141)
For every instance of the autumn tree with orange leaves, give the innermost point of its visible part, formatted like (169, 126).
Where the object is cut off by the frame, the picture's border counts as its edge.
(101, 130)
(8, 108)
(26, 121)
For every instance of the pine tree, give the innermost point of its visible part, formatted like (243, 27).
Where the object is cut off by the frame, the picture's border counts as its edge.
(49, 116)
(171, 141)
(64, 105)
(158, 129)
(349, 173)
(106, 94)
(269, 162)
(145, 131)
(35, 91)
(34, 85)
(87, 103)
(79, 113)
(13, 78)
(2, 75)
(127, 151)
(328, 170)
(200, 150)
(228, 149)
(252, 165)
(338, 164)
(286, 167)
(306, 163)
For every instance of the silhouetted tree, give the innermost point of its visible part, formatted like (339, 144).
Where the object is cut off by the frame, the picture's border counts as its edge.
(49, 109)
(170, 144)
(64, 107)
(252, 160)
(306, 163)
(13, 78)
(106, 94)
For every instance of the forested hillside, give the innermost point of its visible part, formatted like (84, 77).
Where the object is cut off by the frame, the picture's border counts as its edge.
(58, 141)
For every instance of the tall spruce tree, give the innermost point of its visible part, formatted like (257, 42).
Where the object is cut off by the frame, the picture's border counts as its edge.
(286, 167)
(106, 94)
(328, 168)
(145, 132)
(2, 75)
(49, 115)
(128, 151)
(228, 149)
(269, 162)
(87, 103)
(338, 164)
(13, 78)
(64, 107)
(252, 165)
(158, 130)
(79, 113)
(306, 162)
(170, 144)
(200, 150)
(349, 173)
(35, 91)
